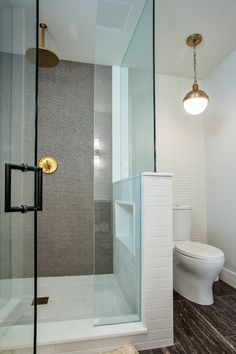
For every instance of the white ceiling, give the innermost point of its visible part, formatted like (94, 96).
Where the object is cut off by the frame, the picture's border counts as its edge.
(99, 31)
(176, 19)
(91, 31)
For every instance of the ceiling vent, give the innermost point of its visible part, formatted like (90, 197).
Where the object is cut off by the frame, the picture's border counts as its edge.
(112, 15)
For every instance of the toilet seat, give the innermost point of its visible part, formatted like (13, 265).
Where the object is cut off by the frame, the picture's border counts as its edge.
(199, 250)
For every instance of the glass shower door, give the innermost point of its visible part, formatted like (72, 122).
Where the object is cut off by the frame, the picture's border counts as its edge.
(20, 180)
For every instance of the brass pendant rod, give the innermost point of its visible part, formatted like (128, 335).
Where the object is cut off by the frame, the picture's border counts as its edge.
(195, 65)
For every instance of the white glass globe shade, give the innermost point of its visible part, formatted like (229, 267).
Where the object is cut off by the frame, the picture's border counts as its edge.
(195, 105)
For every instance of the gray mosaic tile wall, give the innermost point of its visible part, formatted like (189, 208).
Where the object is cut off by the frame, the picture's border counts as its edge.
(66, 132)
(103, 238)
(103, 173)
(103, 131)
(75, 106)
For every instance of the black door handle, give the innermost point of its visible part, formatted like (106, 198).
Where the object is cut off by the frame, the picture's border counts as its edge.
(38, 188)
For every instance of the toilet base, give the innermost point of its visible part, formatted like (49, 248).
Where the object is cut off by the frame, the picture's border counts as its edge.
(201, 296)
(194, 278)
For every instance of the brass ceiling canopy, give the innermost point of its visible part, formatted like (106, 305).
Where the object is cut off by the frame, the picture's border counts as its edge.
(46, 57)
(194, 39)
(48, 164)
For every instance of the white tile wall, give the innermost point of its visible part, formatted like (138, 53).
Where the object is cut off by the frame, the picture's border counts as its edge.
(157, 255)
(181, 149)
(126, 264)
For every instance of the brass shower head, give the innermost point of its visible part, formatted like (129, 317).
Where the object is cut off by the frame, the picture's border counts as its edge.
(46, 57)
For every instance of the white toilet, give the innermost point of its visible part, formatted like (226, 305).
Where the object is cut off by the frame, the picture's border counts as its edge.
(196, 265)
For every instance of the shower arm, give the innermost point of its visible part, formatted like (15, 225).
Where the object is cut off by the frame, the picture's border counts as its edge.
(43, 27)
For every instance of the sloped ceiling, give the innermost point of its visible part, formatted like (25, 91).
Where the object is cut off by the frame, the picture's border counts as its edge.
(91, 31)
(176, 19)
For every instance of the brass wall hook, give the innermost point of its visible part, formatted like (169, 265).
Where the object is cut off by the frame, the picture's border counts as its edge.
(48, 164)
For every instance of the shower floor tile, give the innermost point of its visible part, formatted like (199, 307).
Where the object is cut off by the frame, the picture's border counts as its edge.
(109, 300)
(98, 298)
(81, 297)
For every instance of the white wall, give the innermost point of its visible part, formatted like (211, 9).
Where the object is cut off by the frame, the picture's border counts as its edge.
(201, 152)
(181, 149)
(221, 159)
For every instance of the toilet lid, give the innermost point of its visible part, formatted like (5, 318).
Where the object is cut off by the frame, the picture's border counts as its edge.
(199, 250)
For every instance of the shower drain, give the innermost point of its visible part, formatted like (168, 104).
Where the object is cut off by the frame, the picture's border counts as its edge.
(41, 300)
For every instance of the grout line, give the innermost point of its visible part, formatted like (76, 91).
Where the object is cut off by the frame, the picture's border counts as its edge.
(176, 341)
(220, 296)
(182, 348)
(225, 303)
(227, 338)
(229, 343)
(224, 340)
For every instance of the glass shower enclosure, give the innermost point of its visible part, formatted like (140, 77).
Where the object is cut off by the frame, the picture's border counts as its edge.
(100, 129)
(20, 179)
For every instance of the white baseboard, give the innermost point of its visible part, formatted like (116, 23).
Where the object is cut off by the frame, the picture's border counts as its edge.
(228, 276)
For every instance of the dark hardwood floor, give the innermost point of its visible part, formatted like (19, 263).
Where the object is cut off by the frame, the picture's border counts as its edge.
(204, 329)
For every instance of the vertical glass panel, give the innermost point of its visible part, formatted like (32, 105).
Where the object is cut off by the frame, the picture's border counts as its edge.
(136, 99)
(118, 295)
(123, 147)
(127, 245)
(5, 153)
(17, 146)
(104, 282)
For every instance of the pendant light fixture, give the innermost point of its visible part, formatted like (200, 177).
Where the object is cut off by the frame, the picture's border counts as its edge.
(195, 102)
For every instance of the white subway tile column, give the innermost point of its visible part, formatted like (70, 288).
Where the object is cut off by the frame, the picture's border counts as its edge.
(157, 269)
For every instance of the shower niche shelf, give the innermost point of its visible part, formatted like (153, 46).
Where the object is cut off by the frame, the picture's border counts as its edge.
(125, 224)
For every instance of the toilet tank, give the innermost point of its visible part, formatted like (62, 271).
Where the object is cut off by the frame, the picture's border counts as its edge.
(182, 222)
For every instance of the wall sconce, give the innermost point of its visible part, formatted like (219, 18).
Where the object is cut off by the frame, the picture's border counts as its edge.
(96, 152)
(195, 102)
